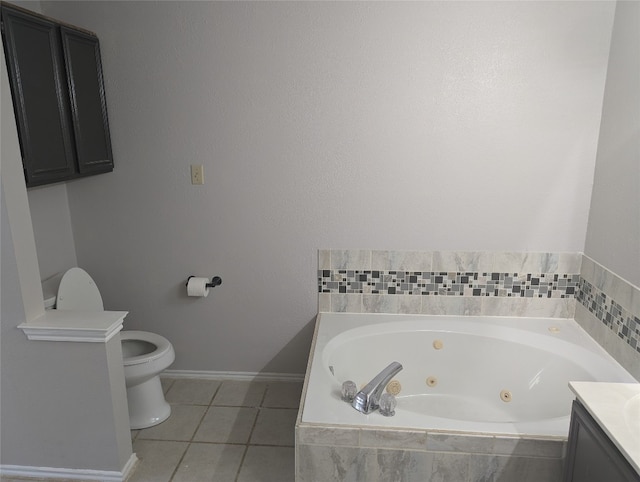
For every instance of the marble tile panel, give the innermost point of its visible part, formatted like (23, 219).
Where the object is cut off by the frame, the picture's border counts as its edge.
(506, 262)
(346, 303)
(210, 463)
(192, 391)
(401, 260)
(402, 465)
(283, 395)
(445, 467)
(226, 425)
(359, 259)
(181, 425)
(344, 464)
(268, 464)
(496, 468)
(157, 460)
(528, 447)
(452, 305)
(587, 269)
(409, 304)
(393, 439)
(324, 259)
(240, 393)
(380, 303)
(463, 261)
(275, 426)
(327, 435)
(447, 442)
(603, 279)
(528, 307)
(589, 323)
(569, 262)
(324, 302)
(622, 352)
(635, 302)
(621, 292)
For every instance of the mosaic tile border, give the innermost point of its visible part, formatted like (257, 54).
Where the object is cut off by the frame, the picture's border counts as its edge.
(439, 283)
(619, 320)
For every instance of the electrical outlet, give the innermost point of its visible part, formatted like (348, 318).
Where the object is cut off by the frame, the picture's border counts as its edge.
(197, 174)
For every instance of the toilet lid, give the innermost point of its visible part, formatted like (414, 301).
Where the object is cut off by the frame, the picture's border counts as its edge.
(78, 291)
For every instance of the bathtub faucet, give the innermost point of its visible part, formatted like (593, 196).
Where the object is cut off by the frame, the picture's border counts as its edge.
(366, 400)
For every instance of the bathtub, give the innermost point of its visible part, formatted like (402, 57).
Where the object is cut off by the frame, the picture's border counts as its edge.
(481, 386)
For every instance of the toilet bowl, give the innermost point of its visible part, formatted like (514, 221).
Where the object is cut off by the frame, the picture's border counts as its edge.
(144, 354)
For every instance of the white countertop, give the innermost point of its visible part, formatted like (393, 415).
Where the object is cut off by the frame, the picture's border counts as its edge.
(616, 408)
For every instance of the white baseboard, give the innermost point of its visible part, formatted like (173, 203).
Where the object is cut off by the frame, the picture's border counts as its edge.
(70, 474)
(241, 376)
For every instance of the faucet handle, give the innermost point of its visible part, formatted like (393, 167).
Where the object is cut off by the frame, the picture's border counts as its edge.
(349, 391)
(387, 405)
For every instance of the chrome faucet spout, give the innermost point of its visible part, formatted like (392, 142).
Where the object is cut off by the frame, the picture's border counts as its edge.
(366, 400)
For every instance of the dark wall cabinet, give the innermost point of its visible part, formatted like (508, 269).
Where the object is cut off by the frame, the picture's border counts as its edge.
(57, 87)
(591, 455)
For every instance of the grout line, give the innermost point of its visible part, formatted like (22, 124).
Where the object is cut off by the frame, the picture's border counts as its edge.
(173, 474)
(244, 454)
(175, 471)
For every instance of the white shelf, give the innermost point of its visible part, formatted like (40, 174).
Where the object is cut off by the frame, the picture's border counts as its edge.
(75, 326)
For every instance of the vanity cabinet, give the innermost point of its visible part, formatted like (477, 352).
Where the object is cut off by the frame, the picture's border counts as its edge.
(57, 88)
(591, 455)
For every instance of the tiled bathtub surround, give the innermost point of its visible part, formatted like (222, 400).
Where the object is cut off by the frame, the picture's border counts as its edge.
(619, 320)
(458, 283)
(608, 308)
(355, 454)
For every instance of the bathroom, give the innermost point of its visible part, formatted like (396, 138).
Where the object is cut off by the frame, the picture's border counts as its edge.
(453, 126)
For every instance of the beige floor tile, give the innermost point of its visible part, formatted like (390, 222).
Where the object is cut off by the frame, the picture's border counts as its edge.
(157, 460)
(181, 424)
(233, 393)
(198, 392)
(210, 462)
(268, 464)
(283, 395)
(166, 384)
(226, 425)
(275, 426)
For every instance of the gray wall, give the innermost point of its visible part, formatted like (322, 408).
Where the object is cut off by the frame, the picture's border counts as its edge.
(326, 125)
(52, 229)
(613, 236)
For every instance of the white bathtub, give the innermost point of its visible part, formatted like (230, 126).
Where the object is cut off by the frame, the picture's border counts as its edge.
(476, 362)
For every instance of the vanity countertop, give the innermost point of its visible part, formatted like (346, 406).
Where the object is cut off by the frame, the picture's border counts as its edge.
(616, 408)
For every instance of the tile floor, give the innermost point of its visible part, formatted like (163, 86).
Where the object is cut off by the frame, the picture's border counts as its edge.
(222, 431)
(234, 431)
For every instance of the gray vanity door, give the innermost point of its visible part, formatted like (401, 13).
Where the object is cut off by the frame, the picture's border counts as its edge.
(88, 104)
(39, 91)
(591, 456)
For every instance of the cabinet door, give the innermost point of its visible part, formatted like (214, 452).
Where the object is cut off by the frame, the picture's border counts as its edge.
(40, 96)
(88, 105)
(591, 456)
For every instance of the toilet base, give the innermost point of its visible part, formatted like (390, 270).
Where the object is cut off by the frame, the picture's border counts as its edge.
(147, 406)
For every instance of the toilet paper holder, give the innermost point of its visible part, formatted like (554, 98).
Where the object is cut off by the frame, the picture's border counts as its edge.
(215, 281)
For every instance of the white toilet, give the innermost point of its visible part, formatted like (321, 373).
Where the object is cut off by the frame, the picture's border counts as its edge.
(144, 354)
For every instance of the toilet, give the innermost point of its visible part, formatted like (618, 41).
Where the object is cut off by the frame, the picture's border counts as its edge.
(144, 354)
